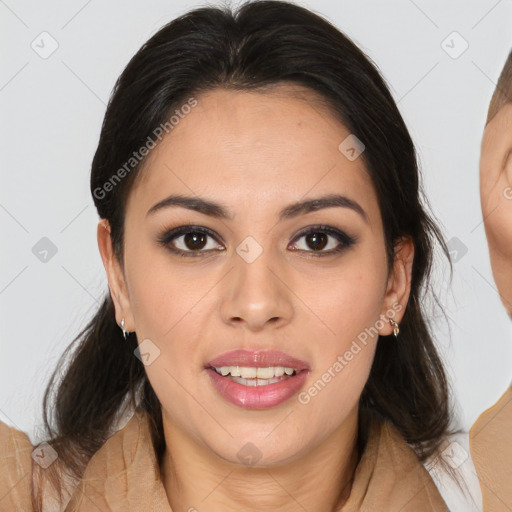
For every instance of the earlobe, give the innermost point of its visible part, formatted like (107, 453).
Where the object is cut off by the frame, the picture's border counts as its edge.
(115, 276)
(399, 285)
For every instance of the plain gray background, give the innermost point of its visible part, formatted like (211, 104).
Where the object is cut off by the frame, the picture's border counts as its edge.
(52, 109)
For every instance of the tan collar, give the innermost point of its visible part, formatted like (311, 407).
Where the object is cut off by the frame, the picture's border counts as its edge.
(124, 475)
(390, 477)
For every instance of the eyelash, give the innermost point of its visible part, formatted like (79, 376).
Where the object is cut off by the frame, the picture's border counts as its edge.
(345, 240)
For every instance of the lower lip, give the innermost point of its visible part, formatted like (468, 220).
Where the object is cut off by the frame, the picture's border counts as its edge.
(257, 397)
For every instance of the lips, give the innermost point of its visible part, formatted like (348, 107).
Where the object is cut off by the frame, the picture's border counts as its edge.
(259, 359)
(257, 380)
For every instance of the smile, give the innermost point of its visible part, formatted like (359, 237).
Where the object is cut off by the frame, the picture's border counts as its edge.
(256, 379)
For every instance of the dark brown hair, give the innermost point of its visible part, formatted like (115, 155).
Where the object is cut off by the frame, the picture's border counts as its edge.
(258, 45)
(503, 92)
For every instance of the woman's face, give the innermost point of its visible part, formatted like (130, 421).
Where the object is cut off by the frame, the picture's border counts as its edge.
(310, 281)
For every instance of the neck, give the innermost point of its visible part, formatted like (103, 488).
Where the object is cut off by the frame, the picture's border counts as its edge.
(196, 479)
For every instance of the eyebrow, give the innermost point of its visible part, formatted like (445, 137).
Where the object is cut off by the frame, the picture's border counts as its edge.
(217, 210)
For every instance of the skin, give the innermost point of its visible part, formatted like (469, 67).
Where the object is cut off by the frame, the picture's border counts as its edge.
(490, 445)
(496, 198)
(256, 152)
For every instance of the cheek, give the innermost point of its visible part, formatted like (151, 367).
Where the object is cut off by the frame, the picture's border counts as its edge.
(349, 303)
(160, 297)
(343, 357)
(168, 311)
(349, 299)
(171, 308)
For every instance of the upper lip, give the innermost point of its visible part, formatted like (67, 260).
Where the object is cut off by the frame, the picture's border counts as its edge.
(260, 358)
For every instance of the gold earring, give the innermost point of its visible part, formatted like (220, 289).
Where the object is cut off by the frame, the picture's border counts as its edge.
(396, 327)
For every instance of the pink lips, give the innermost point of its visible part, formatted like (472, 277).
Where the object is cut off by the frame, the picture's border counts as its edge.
(261, 358)
(257, 397)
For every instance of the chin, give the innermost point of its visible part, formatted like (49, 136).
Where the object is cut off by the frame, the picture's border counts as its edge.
(260, 451)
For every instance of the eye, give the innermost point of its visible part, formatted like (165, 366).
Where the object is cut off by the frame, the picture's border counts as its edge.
(323, 240)
(198, 240)
(189, 240)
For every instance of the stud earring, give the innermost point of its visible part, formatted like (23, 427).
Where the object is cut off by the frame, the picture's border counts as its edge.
(396, 327)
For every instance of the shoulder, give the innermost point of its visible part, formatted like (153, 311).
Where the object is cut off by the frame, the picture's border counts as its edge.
(410, 484)
(495, 421)
(390, 476)
(491, 449)
(124, 473)
(491, 432)
(16, 463)
(25, 467)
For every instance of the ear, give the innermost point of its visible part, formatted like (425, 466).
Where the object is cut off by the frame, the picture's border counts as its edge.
(115, 275)
(399, 285)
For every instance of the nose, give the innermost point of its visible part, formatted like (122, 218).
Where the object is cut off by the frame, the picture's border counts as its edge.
(256, 294)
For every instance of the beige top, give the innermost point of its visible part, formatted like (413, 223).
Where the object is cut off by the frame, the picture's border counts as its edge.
(490, 441)
(123, 475)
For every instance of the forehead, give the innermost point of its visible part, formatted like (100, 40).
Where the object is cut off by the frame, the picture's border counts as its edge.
(245, 147)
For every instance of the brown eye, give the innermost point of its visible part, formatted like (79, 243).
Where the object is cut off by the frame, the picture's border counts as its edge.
(194, 241)
(317, 241)
(190, 241)
(323, 240)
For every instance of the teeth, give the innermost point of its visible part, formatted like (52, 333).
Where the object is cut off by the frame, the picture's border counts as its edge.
(256, 382)
(265, 373)
(249, 372)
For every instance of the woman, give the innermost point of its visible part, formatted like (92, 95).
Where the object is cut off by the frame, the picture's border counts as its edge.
(267, 254)
(490, 436)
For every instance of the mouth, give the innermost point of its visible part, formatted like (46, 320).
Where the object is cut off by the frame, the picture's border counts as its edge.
(257, 380)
